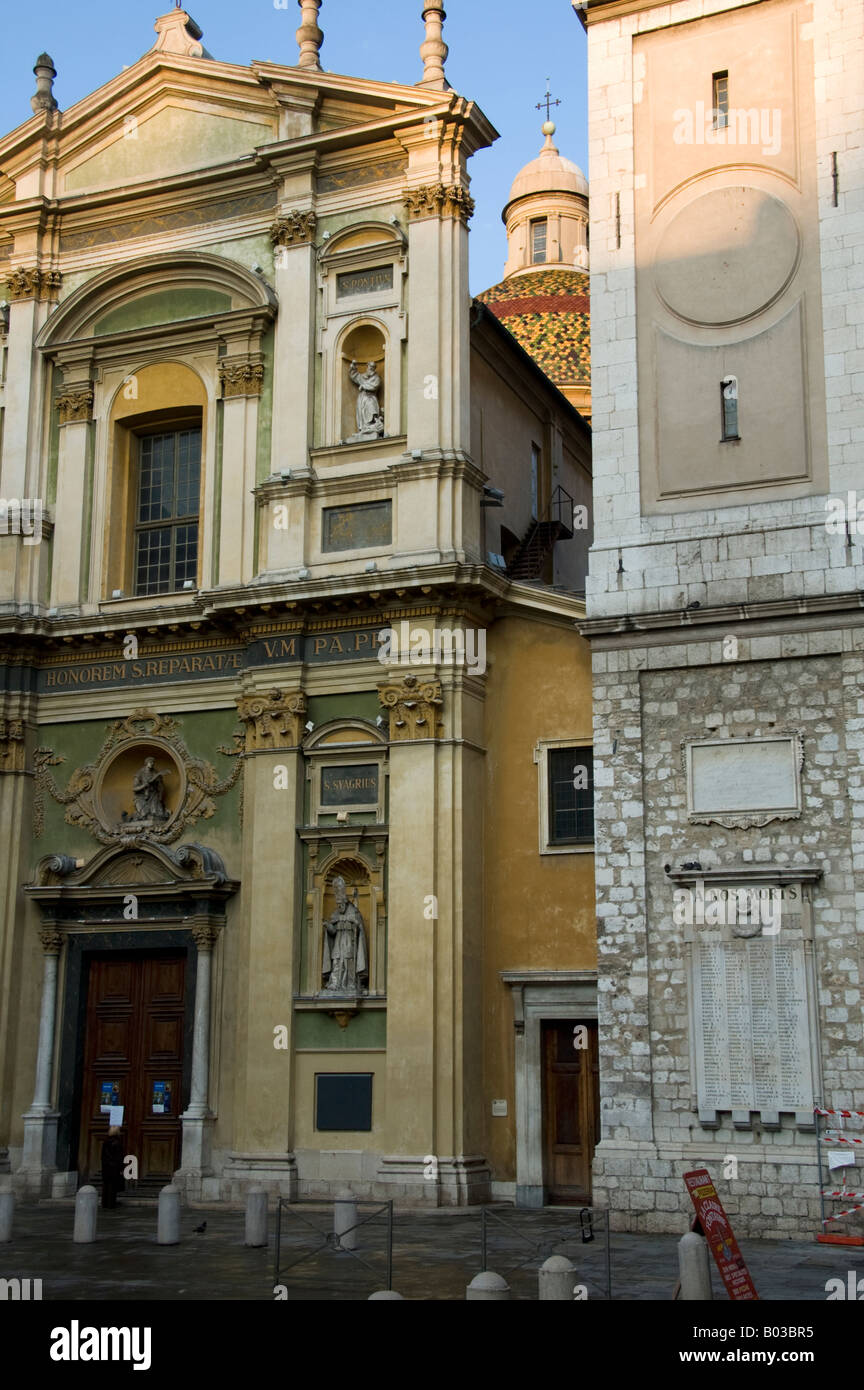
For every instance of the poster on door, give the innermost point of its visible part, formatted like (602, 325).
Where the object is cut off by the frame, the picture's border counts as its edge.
(109, 1095)
(161, 1098)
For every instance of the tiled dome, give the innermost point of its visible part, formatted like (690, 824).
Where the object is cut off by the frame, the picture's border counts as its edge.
(548, 313)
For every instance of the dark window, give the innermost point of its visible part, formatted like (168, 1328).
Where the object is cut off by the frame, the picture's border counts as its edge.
(343, 1101)
(729, 407)
(538, 241)
(720, 99)
(166, 517)
(571, 795)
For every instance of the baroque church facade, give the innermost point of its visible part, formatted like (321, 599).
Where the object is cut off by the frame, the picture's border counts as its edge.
(296, 718)
(724, 603)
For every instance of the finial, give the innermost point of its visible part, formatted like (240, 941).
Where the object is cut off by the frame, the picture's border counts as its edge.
(433, 49)
(309, 36)
(548, 126)
(45, 71)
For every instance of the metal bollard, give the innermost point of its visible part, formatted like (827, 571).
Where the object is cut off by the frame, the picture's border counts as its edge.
(86, 1204)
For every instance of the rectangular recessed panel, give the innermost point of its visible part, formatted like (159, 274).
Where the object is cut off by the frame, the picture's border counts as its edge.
(349, 786)
(357, 527)
(364, 281)
(343, 1101)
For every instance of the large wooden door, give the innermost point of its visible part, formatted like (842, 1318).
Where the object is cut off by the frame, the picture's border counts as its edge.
(571, 1109)
(133, 1056)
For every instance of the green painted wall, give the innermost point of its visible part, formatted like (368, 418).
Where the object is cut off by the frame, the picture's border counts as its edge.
(319, 1030)
(167, 306)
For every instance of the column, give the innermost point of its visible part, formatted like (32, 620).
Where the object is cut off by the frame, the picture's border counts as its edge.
(197, 1119)
(40, 1122)
(75, 406)
(241, 374)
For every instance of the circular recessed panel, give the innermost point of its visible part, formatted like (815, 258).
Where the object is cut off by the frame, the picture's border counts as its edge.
(726, 256)
(126, 791)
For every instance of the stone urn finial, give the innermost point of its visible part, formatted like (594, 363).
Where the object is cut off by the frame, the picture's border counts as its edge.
(309, 36)
(44, 99)
(433, 49)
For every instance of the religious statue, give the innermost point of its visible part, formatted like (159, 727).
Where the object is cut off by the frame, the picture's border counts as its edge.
(148, 794)
(345, 958)
(370, 421)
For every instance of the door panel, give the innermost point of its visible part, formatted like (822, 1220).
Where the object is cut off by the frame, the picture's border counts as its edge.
(571, 1109)
(133, 1056)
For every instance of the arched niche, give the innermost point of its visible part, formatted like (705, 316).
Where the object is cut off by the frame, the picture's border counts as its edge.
(364, 347)
(365, 887)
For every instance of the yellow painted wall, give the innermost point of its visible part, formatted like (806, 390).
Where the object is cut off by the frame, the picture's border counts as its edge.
(539, 908)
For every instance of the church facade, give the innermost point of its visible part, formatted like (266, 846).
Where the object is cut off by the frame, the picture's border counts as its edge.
(296, 765)
(724, 602)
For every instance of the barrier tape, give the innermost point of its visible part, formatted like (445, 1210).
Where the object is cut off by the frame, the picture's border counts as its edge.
(841, 1192)
(847, 1212)
(833, 1136)
(846, 1114)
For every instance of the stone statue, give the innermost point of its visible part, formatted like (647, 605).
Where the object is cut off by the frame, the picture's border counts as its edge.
(345, 958)
(370, 421)
(148, 793)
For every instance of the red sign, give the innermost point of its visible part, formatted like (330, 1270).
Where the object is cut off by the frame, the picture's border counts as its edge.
(718, 1233)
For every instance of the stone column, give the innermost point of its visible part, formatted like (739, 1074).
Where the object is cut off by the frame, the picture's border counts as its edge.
(269, 940)
(197, 1119)
(241, 374)
(75, 406)
(40, 1122)
(293, 237)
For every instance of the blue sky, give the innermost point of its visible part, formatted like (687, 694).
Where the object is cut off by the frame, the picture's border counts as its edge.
(501, 52)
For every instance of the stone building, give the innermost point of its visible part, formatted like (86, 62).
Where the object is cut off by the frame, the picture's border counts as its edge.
(724, 599)
(298, 873)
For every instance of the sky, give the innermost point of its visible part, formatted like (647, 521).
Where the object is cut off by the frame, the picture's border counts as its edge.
(501, 53)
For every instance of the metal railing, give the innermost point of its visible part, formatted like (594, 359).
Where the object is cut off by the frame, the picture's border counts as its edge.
(329, 1241)
(582, 1230)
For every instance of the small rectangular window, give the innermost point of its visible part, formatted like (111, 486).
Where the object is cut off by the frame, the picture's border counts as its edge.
(729, 407)
(571, 795)
(720, 99)
(538, 241)
(166, 522)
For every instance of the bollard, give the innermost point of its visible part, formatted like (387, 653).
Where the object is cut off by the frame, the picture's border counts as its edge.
(487, 1287)
(345, 1219)
(385, 1293)
(256, 1217)
(86, 1203)
(694, 1267)
(556, 1279)
(7, 1211)
(168, 1220)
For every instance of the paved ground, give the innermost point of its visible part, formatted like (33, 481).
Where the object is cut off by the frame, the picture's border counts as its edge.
(435, 1255)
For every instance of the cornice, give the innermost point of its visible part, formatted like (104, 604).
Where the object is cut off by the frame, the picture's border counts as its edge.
(689, 624)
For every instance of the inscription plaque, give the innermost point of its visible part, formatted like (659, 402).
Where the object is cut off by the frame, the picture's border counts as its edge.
(358, 526)
(350, 786)
(364, 281)
(751, 1020)
(743, 782)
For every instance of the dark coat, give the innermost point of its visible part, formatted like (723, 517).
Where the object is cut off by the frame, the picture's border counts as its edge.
(112, 1163)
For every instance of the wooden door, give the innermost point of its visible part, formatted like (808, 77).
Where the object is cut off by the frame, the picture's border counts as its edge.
(571, 1109)
(133, 1056)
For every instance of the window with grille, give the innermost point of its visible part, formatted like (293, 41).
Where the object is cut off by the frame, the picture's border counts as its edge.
(166, 514)
(720, 99)
(538, 241)
(571, 795)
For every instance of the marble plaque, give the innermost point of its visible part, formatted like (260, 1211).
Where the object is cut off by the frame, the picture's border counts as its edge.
(353, 785)
(751, 1022)
(357, 526)
(364, 281)
(743, 782)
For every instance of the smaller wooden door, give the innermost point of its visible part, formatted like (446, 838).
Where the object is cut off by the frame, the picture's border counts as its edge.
(571, 1108)
(133, 1056)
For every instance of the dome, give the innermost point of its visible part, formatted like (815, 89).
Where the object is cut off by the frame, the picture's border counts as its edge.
(550, 172)
(548, 313)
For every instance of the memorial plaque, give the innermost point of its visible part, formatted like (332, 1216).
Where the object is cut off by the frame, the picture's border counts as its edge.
(343, 1101)
(358, 526)
(350, 786)
(741, 782)
(752, 1032)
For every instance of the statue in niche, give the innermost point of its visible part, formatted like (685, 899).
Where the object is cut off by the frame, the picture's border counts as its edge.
(148, 793)
(370, 420)
(345, 965)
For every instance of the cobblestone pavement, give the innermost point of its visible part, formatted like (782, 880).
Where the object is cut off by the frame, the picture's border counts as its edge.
(435, 1255)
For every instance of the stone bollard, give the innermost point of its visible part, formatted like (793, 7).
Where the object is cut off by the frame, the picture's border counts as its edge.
(7, 1211)
(487, 1287)
(256, 1217)
(556, 1279)
(694, 1268)
(86, 1204)
(168, 1220)
(344, 1219)
(385, 1293)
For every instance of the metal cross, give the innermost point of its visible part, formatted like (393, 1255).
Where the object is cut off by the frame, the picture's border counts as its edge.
(547, 100)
